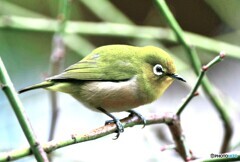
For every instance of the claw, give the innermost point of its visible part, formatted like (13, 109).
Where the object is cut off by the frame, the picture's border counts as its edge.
(120, 127)
(132, 113)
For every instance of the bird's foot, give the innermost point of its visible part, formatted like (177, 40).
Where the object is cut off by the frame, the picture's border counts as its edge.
(120, 127)
(132, 113)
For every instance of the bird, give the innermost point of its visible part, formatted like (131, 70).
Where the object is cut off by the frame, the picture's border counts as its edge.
(116, 78)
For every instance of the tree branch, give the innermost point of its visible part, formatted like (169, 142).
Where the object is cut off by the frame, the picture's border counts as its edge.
(167, 118)
(199, 80)
(56, 59)
(172, 120)
(196, 64)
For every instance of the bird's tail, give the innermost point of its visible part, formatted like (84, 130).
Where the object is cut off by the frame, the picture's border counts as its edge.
(36, 86)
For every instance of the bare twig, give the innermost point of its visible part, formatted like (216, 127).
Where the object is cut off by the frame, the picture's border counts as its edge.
(179, 138)
(55, 63)
(199, 80)
(56, 60)
(92, 135)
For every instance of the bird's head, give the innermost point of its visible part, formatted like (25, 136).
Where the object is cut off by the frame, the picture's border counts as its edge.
(158, 70)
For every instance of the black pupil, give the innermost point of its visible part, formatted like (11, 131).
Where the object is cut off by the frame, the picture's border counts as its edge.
(159, 69)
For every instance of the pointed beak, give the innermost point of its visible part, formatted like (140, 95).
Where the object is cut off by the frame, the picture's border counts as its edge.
(176, 76)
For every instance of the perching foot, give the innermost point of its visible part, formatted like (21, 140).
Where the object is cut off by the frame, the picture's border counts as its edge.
(120, 127)
(132, 113)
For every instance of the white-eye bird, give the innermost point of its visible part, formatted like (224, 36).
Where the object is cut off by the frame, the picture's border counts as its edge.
(116, 78)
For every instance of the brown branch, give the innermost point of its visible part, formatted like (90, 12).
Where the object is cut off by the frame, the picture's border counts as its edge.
(179, 138)
(56, 62)
(167, 118)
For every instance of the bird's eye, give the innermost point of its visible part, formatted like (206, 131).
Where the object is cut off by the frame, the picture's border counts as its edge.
(158, 69)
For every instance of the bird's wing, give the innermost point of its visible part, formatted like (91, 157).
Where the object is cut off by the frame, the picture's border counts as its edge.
(98, 67)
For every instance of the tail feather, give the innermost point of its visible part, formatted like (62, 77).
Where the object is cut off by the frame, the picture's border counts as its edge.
(36, 86)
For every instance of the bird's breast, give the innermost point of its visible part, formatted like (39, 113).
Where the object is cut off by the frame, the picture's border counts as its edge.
(112, 96)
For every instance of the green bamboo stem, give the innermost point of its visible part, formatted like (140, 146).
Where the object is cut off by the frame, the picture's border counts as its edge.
(63, 15)
(196, 64)
(17, 106)
(117, 30)
(71, 40)
(113, 13)
(10, 8)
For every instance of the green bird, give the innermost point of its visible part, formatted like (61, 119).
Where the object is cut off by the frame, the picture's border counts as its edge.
(116, 78)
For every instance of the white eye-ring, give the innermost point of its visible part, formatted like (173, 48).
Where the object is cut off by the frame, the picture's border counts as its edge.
(158, 69)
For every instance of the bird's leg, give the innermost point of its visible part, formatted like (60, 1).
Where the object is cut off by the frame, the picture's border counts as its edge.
(132, 113)
(119, 125)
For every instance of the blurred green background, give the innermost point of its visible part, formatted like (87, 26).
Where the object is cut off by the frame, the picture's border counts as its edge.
(26, 33)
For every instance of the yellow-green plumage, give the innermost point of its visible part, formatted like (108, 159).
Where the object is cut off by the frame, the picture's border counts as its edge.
(115, 77)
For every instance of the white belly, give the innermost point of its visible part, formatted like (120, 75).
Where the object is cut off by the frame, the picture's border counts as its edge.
(111, 96)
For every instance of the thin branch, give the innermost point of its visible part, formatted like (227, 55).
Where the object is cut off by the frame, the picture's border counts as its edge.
(199, 80)
(17, 106)
(56, 60)
(179, 138)
(117, 30)
(172, 120)
(175, 129)
(207, 86)
(167, 118)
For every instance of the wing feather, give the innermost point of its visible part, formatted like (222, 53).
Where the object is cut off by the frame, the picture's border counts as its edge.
(98, 68)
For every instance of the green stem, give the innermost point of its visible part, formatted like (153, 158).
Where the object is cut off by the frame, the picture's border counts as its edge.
(161, 4)
(207, 86)
(113, 13)
(191, 94)
(71, 40)
(63, 15)
(17, 106)
(116, 30)
(199, 80)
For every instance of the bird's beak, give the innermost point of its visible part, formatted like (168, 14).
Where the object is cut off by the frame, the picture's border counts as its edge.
(176, 76)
